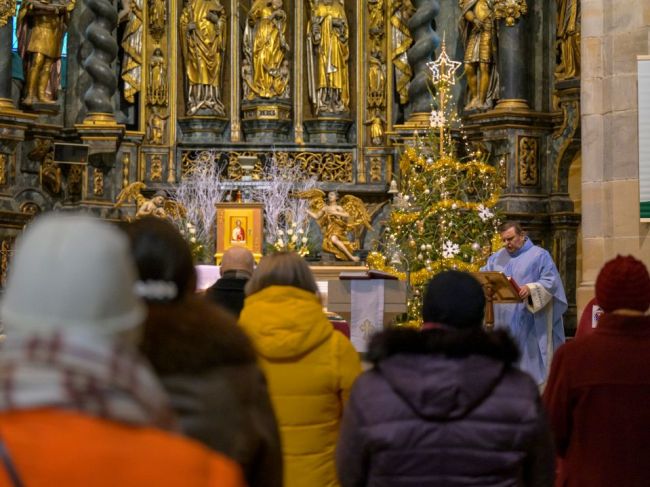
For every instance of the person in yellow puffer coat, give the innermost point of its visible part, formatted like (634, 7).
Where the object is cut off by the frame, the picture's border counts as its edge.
(310, 367)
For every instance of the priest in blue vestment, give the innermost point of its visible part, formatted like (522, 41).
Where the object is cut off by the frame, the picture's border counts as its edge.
(536, 322)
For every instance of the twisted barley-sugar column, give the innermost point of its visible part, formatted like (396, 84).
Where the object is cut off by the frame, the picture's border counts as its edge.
(420, 53)
(98, 64)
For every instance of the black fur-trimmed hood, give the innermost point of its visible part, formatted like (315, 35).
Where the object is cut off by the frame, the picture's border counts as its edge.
(451, 343)
(442, 374)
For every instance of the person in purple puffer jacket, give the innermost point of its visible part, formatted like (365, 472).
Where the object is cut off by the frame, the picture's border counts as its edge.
(445, 405)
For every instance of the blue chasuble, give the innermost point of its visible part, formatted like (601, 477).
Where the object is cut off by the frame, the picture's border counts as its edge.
(531, 264)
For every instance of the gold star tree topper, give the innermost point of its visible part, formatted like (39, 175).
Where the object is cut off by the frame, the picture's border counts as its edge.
(443, 69)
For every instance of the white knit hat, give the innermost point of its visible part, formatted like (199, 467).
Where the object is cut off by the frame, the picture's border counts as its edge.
(71, 272)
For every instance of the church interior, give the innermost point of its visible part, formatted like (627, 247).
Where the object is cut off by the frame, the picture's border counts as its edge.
(112, 107)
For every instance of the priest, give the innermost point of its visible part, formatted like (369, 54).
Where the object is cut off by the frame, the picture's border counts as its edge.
(536, 322)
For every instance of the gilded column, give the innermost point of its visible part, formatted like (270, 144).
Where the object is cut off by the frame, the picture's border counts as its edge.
(298, 92)
(235, 84)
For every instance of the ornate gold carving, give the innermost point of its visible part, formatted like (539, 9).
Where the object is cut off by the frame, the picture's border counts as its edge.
(375, 169)
(330, 167)
(5, 253)
(3, 169)
(30, 208)
(75, 179)
(126, 162)
(98, 182)
(568, 39)
(157, 91)
(327, 57)
(265, 69)
(155, 168)
(157, 18)
(157, 128)
(159, 205)
(510, 10)
(131, 13)
(527, 161)
(401, 40)
(478, 33)
(50, 173)
(203, 34)
(376, 82)
(7, 9)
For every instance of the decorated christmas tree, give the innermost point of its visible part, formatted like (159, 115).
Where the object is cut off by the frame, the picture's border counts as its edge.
(443, 215)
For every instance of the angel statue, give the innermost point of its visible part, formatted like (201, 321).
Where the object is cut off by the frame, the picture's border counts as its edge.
(159, 205)
(337, 221)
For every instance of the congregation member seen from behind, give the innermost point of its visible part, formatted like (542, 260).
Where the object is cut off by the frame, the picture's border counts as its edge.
(78, 406)
(206, 362)
(309, 366)
(598, 392)
(445, 405)
(237, 265)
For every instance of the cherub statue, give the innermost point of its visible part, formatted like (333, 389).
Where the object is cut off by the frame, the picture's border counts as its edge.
(159, 205)
(337, 221)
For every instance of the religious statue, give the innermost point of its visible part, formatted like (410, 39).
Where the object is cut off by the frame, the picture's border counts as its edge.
(337, 221)
(401, 40)
(157, 14)
(478, 32)
(376, 123)
(568, 39)
(156, 128)
(159, 205)
(327, 42)
(376, 81)
(203, 41)
(131, 13)
(41, 27)
(157, 89)
(264, 69)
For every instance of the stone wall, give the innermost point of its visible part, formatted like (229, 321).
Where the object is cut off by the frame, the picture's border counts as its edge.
(614, 32)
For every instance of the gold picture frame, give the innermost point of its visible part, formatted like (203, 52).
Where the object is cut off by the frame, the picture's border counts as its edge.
(239, 224)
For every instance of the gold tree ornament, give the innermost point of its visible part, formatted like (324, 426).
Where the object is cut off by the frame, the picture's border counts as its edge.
(510, 10)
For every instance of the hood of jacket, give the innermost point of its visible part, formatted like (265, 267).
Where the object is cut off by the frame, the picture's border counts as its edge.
(284, 321)
(442, 374)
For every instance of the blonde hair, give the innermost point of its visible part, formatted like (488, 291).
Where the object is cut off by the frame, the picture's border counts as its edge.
(281, 269)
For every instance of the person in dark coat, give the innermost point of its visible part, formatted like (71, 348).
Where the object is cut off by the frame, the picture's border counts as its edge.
(205, 361)
(598, 393)
(445, 405)
(237, 265)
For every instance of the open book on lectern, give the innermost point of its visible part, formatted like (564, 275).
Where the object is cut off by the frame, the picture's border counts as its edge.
(504, 289)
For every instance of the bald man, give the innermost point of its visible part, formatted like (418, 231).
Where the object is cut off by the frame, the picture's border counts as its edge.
(237, 266)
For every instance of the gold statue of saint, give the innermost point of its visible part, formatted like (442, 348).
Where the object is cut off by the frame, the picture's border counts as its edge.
(568, 39)
(265, 74)
(337, 221)
(131, 13)
(327, 38)
(477, 28)
(41, 27)
(203, 40)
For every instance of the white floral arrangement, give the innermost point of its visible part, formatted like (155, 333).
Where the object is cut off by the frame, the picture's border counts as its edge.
(292, 239)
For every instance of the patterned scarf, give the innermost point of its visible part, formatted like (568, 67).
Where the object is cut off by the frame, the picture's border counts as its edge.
(83, 374)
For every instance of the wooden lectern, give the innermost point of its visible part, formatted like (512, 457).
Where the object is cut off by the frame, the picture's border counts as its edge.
(498, 288)
(339, 300)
